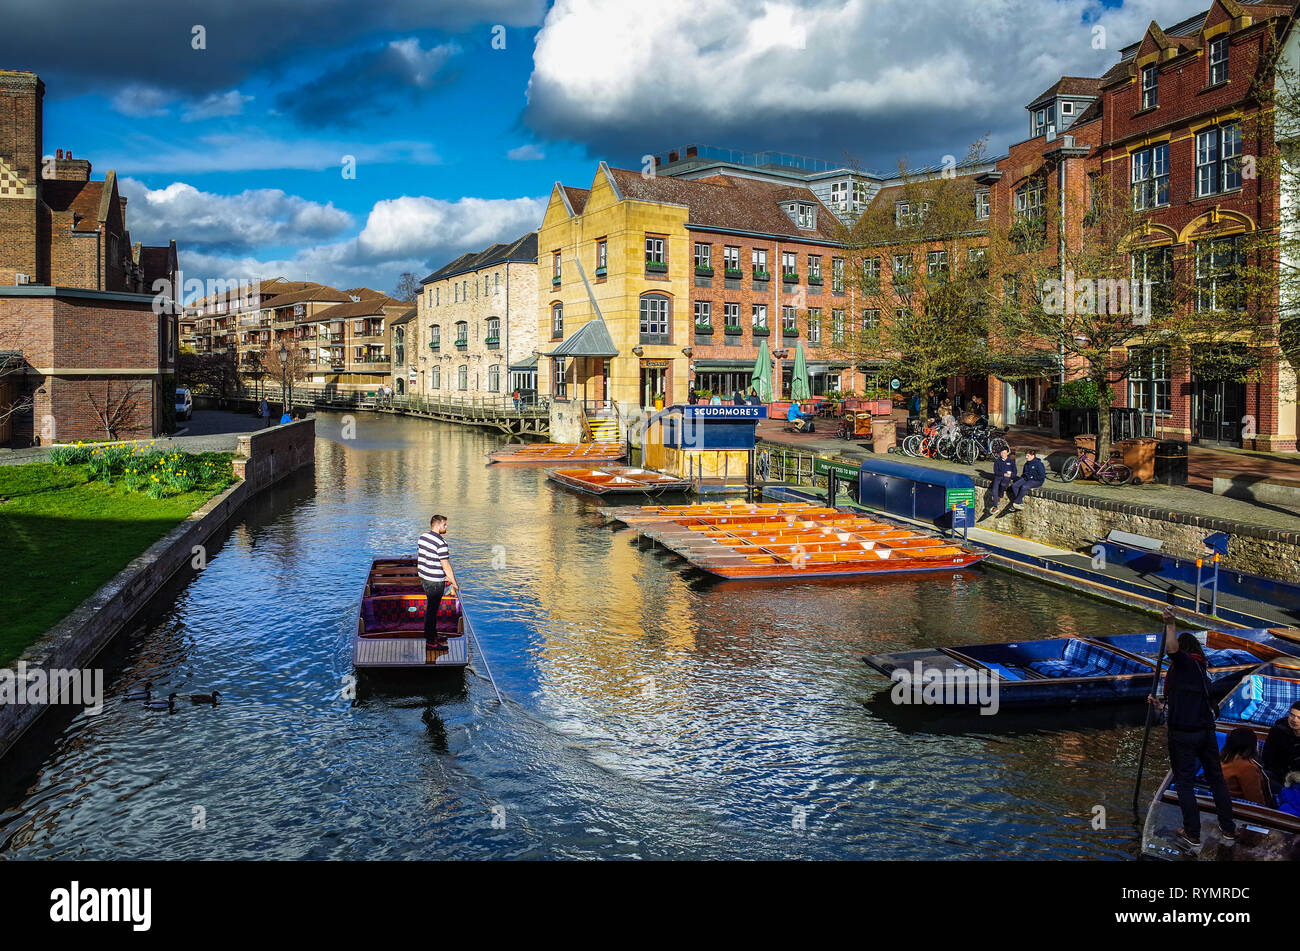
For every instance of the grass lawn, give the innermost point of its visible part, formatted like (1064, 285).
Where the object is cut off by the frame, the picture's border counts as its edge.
(62, 535)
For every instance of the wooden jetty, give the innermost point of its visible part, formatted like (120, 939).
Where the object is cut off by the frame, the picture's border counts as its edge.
(554, 453)
(788, 540)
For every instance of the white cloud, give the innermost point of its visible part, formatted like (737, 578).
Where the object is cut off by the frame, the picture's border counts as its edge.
(205, 220)
(422, 66)
(526, 153)
(140, 101)
(242, 152)
(784, 71)
(216, 105)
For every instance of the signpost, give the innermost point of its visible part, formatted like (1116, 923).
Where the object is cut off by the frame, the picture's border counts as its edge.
(834, 472)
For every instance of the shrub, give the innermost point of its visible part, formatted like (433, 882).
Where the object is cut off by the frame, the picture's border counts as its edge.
(1077, 394)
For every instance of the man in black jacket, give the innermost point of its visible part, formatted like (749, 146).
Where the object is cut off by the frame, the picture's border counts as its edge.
(1191, 735)
(1032, 476)
(1282, 747)
(1004, 473)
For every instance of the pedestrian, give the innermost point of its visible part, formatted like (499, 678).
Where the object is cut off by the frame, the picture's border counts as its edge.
(715, 399)
(265, 411)
(515, 396)
(436, 575)
(1190, 720)
(1282, 747)
(932, 403)
(1004, 473)
(1032, 476)
(753, 397)
(738, 398)
(979, 410)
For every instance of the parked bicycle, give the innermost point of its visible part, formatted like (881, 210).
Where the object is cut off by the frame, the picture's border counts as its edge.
(980, 442)
(1110, 472)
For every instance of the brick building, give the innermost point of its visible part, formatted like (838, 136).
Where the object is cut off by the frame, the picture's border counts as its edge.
(77, 301)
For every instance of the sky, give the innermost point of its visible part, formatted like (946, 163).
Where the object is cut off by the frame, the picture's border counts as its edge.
(348, 142)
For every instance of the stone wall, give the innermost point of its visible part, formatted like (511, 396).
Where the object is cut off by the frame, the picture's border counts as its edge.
(268, 455)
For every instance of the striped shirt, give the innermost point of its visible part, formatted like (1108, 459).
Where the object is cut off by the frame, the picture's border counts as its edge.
(433, 549)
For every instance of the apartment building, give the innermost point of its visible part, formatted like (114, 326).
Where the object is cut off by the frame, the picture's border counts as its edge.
(475, 331)
(345, 347)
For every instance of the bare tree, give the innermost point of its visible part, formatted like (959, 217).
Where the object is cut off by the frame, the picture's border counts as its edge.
(12, 401)
(408, 288)
(114, 412)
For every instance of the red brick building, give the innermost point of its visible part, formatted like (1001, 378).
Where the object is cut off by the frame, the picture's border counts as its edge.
(77, 301)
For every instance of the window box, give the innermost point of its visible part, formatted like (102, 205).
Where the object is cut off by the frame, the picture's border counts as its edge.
(656, 267)
(493, 342)
(761, 275)
(462, 344)
(734, 273)
(601, 271)
(788, 278)
(435, 345)
(814, 279)
(703, 271)
(704, 328)
(762, 331)
(787, 332)
(733, 330)
(555, 282)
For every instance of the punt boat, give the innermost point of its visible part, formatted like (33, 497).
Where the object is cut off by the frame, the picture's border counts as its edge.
(390, 623)
(611, 480)
(553, 453)
(1264, 833)
(1075, 670)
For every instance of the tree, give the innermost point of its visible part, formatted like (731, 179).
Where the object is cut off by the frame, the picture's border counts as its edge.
(918, 280)
(13, 401)
(212, 373)
(408, 288)
(113, 411)
(295, 367)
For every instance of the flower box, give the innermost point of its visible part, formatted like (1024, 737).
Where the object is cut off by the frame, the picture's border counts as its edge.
(787, 332)
(704, 328)
(555, 282)
(704, 271)
(733, 330)
(462, 344)
(761, 331)
(815, 279)
(492, 341)
(434, 345)
(733, 272)
(788, 278)
(602, 271)
(656, 267)
(761, 275)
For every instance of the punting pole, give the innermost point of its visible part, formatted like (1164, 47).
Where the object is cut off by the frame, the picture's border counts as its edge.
(1168, 618)
(486, 665)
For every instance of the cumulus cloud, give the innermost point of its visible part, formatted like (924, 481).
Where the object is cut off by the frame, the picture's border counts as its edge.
(210, 222)
(873, 78)
(256, 151)
(141, 101)
(526, 153)
(373, 81)
(215, 105)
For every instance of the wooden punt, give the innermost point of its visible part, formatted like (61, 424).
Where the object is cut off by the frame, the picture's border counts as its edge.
(610, 480)
(1083, 670)
(554, 453)
(1264, 833)
(390, 623)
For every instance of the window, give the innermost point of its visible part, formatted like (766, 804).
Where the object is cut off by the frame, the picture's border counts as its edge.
(493, 331)
(981, 204)
(807, 216)
(1218, 60)
(840, 195)
(815, 268)
(602, 257)
(1150, 88)
(731, 260)
(1148, 384)
(559, 380)
(1067, 109)
(902, 267)
(557, 321)
(1218, 159)
(703, 313)
(936, 265)
(789, 320)
(437, 297)
(758, 316)
(555, 267)
(1150, 177)
(1153, 274)
(1218, 264)
(814, 325)
(399, 345)
(654, 254)
(494, 378)
(1044, 120)
(731, 314)
(871, 273)
(435, 336)
(1029, 200)
(703, 255)
(462, 333)
(837, 275)
(837, 328)
(902, 214)
(462, 377)
(870, 320)
(789, 264)
(456, 293)
(655, 319)
(759, 256)
(435, 378)
(859, 195)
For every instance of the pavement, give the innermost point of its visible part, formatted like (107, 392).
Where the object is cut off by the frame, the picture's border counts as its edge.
(209, 431)
(1194, 499)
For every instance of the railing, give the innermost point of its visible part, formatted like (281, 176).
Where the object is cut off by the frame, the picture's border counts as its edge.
(481, 406)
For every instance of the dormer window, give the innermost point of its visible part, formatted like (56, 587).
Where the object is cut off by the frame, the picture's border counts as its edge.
(1218, 60)
(908, 213)
(1150, 88)
(1044, 120)
(802, 214)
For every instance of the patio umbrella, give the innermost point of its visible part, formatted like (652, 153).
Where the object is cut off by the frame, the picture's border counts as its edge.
(800, 387)
(761, 378)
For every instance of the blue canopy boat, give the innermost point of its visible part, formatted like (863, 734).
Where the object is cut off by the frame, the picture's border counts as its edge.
(1073, 670)
(1264, 832)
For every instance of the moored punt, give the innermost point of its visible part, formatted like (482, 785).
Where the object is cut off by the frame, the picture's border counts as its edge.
(390, 623)
(1072, 670)
(553, 453)
(791, 541)
(609, 480)
(1264, 833)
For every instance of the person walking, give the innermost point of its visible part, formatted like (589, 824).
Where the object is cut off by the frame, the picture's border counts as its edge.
(436, 574)
(1190, 720)
(264, 410)
(515, 396)
(1032, 476)
(1004, 474)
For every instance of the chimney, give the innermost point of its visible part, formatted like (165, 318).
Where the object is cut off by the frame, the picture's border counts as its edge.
(672, 157)
(68, 169)
(122, 200)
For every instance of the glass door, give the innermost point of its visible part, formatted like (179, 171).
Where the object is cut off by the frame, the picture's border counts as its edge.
(1218, 408)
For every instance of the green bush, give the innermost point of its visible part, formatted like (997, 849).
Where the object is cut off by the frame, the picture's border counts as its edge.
(1077, 394)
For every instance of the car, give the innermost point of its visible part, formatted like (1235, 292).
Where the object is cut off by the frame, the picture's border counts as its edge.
(184, 403)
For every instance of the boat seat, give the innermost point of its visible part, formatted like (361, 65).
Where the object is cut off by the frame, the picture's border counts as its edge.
(406, 615)
(1230, 657)
(1262, 700)
(1081, 659)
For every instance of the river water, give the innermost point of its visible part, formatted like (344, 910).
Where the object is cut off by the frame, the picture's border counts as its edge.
(649, 711)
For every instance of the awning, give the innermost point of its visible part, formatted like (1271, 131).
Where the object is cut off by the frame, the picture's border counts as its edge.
(726, 366)
(529, 364)
(592, 339)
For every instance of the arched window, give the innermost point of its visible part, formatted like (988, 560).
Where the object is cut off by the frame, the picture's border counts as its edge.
(656, 319)
(557, 321)
(494, 378)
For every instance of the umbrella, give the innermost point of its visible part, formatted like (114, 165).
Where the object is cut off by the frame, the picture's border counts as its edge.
(800, 387)
(761, 379)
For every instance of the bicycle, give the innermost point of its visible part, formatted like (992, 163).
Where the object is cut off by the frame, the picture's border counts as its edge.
(1109, 472)
(980, 442)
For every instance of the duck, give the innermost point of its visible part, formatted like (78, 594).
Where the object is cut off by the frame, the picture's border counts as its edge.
(169, 704)
(143, 694)
(211, 698)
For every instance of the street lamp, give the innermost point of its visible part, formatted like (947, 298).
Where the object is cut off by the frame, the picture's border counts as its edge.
(284, 378)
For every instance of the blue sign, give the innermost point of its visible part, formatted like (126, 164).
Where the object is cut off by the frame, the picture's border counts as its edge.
(725, 412)
(1217, 542)
(963, 516)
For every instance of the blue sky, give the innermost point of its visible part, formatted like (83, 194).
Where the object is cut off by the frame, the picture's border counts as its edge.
(236, 150)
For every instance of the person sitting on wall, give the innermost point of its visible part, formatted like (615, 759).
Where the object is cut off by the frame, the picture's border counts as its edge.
(738, 398)
(1004, 474)
(1032, 476)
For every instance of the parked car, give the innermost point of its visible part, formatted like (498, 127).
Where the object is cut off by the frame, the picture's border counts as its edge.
(184, 403)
